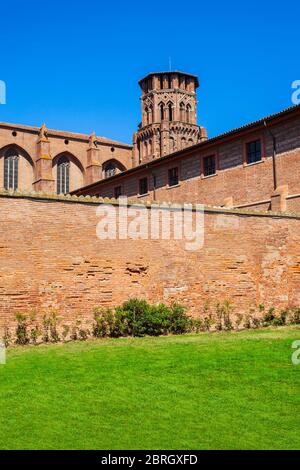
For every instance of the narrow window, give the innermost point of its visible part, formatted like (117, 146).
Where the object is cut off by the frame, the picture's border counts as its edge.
(188, 113)
(209, 165)
(173, 176)
(161, 80)
(150, 147)
(63, 176)
(143, 186)
(161, 112)
(11, 170)
(170, 112)
(169, 81)
(254, 151)
(118, 192)
(182, 112)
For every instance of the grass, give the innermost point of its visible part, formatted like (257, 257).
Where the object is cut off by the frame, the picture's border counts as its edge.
(207, 391)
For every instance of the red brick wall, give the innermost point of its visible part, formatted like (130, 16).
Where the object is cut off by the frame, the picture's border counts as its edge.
(51, 257)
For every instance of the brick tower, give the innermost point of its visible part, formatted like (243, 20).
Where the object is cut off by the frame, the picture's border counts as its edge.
(169, 118)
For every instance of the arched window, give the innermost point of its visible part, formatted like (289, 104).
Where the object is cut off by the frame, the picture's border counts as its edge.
(172, 144)
(188, 112)
(169, 81)
(11, 169)
(183, 142)
(182, 112)
(63, 175)
(110, 170)
(170, 109)
(161, 107)
(150, 114)
(147, 115)
(150, 147)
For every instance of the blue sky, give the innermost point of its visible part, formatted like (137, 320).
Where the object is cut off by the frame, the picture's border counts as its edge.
(75, 65)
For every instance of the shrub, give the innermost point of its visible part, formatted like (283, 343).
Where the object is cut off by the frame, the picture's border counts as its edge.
(179, 321)
(65, 332)
(6, 336)
(46, 329)
(269, 317)
(103, 322)
(53, 324)
(34, 334)
(21, 329)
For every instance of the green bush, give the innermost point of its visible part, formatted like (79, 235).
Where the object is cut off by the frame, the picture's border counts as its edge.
(103, 322)
(22, 336)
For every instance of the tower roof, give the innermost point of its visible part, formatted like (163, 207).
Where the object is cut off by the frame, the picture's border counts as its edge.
(169, 72)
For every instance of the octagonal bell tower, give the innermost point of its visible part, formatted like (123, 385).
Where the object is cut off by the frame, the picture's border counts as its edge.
(169, 115)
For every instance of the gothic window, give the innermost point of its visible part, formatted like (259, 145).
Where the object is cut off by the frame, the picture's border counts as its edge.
(63, 176)
(147, 115)
(188, 113)
(209, 165)
(172, 144)
(110, 170)
(11, 167)
(173, 176)
(182, 112)
(161, 107)
(169, 81)
(170, 108)
(150, 146)
(254, 151)
(161, 81)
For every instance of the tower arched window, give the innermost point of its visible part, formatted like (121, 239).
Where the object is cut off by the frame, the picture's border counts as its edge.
(150, 147)
(161, 107)
(188, 113)
(11, 169)
(182, 112)
(63, 175)
(170, 109)
(110, 170)
(147, 115)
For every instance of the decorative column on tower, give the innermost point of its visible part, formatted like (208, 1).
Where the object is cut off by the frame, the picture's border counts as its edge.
(169, 116)
(43, 164)
(94, 166)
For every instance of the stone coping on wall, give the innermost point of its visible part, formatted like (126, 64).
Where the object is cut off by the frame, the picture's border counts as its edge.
(95, 200)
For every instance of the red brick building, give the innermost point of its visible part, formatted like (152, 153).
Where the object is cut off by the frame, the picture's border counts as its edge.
(254, 166)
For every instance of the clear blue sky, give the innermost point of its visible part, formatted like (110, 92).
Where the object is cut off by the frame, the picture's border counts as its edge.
(75, 65)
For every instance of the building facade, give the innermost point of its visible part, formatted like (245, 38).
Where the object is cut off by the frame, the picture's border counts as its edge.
(34, 159)
(256, 166)
(171, 158)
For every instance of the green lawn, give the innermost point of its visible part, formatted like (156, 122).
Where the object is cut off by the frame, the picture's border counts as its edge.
(207, 391)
